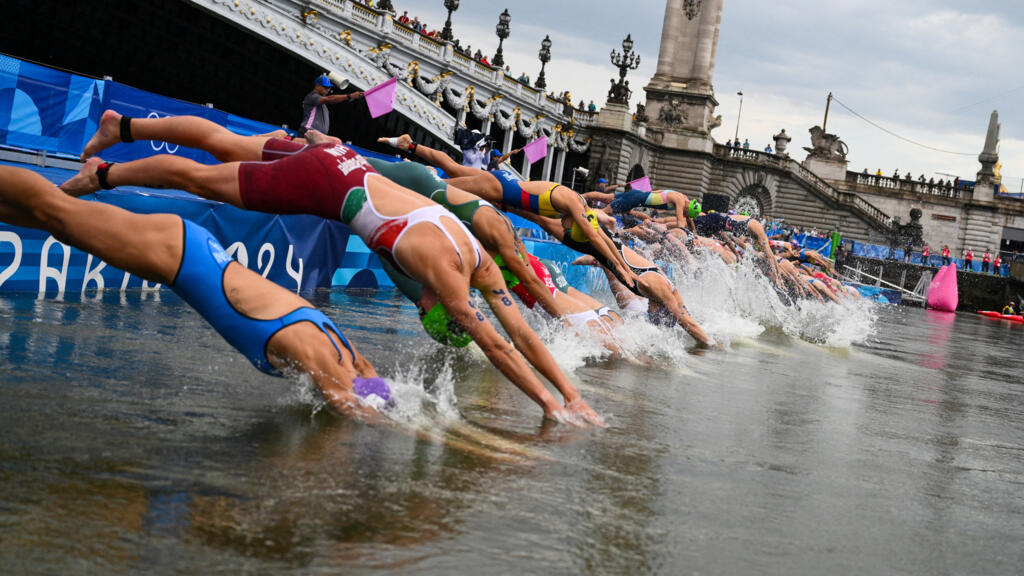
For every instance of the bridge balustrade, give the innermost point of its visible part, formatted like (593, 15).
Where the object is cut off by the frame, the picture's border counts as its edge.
(883, 183)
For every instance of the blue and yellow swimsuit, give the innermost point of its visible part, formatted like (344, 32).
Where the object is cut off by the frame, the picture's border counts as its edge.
(512, 194)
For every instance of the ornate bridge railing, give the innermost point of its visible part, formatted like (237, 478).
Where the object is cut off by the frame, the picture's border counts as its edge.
(875, 217)
(367, 46)
(885, 183)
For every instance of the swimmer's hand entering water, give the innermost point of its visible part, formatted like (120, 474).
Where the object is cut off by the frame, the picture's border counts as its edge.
(581, 409)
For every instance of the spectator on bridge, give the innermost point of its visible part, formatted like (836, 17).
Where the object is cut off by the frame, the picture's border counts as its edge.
(746, 144)
(956, 182)
(495, 158)
(768, 148)
(314, 106)
(878, 172)
(592, 107)
(484, 60)
(968, 260)
(908, 177)
(404, 18)
(921, 179)
(896, 174)
(728, 143)
(865, 171)
(986, 259)
(945, 255)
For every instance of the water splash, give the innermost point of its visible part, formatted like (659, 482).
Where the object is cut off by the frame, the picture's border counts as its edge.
(738, 301)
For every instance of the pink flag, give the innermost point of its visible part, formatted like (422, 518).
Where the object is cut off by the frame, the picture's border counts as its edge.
(381, 98)
(536, 150)
(642, 184)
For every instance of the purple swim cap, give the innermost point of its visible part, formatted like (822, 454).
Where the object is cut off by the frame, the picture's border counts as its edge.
(364, 387)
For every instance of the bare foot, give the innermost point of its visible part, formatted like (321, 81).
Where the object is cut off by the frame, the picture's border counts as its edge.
(108, 134)
(402, 142)
(315, 137)
(86, 181)
(585, 260)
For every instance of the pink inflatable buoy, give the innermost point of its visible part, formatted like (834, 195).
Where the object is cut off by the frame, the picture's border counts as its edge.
(943, 294)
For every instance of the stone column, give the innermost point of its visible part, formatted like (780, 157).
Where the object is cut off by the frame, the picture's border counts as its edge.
(559, 167)
(546, 172)
(689, 41)
(506, 144)
(524, 167)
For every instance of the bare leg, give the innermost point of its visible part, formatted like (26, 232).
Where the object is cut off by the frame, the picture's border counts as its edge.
(147, 246)
(218, 182)
(188, 131)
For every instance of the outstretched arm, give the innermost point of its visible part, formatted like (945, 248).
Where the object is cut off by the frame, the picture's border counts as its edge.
(490, 284)
(508, 155)
(599, 197)
(432, 156)
(336, 98)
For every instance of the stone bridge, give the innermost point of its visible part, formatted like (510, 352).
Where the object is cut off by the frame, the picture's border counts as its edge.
(759, 183)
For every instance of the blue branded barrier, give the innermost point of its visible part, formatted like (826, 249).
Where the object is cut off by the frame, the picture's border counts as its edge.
(56, 112)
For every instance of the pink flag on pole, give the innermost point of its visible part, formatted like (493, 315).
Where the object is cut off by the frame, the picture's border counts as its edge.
(381, 98)
(642, 184)
(536, 150)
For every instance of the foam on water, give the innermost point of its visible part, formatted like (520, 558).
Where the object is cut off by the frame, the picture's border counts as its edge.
(738, 301)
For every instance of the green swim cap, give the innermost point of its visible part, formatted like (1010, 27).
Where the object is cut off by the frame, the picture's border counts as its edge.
(440, 326)
(510, 279)
(695, 209)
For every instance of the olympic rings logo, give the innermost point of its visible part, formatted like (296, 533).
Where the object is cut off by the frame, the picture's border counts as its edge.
(158, 146)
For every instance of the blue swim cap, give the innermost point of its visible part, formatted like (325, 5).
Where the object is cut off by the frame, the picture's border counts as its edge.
(364, 387)
(602, 181)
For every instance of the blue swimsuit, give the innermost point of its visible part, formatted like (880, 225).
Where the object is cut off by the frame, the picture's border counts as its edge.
(200, 282)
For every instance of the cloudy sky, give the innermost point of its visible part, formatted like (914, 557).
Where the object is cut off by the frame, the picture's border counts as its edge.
(930, 71)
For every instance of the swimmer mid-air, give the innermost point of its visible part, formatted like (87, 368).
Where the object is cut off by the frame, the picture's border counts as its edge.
(274, 328)
(417, 236)
(546, 199)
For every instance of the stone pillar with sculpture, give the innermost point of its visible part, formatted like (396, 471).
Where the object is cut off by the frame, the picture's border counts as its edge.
(782, 141)
(826, 157)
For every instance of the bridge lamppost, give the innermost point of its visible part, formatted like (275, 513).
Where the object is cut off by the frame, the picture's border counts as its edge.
(626, 61)
(502, 32)
(446, 32)
(736, 137)
(545, 56)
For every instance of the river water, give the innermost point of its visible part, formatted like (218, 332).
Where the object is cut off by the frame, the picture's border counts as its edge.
(874, 439)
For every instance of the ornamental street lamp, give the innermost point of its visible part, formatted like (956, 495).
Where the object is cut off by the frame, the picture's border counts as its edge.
(545, 56)
(736, 137)
(628, 60)
(502, 32)
(446, 32)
